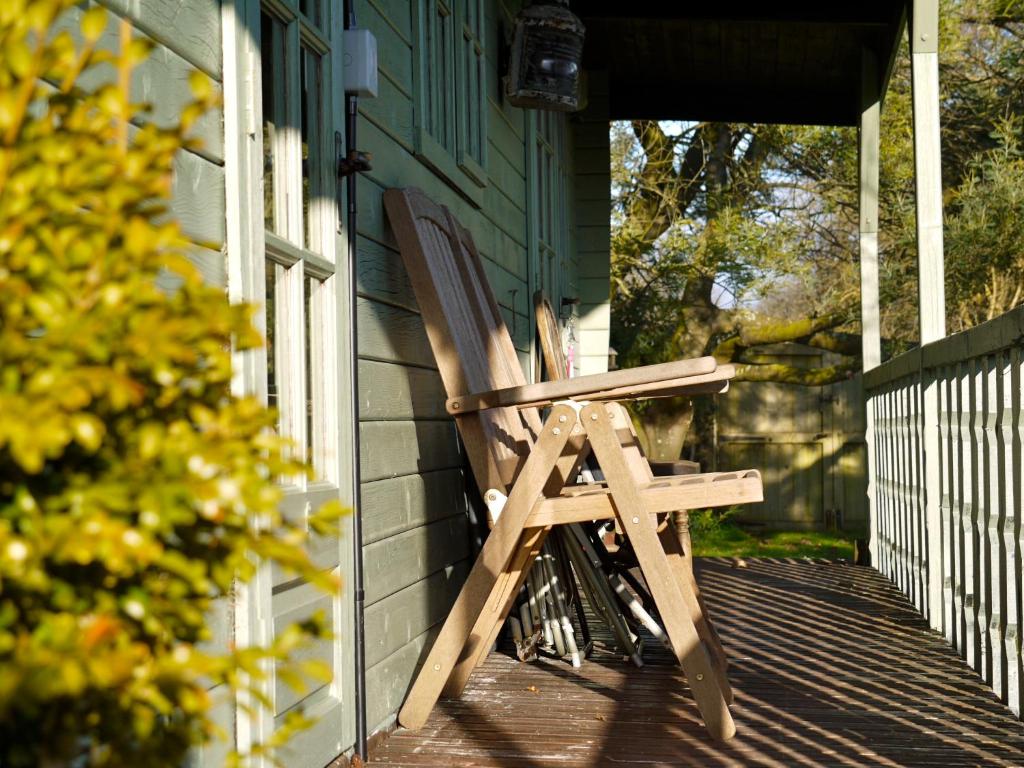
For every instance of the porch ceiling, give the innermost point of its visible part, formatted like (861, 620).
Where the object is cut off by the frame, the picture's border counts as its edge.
(787, 62)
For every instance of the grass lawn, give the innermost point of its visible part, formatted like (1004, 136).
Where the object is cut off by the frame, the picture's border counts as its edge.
(717, 536)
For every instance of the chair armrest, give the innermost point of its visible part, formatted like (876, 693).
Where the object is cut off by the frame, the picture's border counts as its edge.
(708, 384)
(664, 380)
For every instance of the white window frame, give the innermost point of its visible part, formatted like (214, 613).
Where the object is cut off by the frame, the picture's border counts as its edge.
(250, 249)
(294, 259)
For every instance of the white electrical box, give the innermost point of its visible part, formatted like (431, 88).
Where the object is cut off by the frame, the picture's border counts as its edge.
(360, 62)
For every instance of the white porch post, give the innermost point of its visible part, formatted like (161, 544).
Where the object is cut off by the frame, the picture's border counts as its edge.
(923, 32)
(868, 139)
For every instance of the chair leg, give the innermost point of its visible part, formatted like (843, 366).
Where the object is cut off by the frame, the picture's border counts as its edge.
(487, 627)
(641, 529)
(687, 586)
(484, 580)
(682, 524)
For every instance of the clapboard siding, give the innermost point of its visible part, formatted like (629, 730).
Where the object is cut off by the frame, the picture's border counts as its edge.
(393, 166)
(162, 81)
(391, 112)
(592, 191)
(186, 38)
(392, 333)
(390, 392)
(190, 28)
(197, 191)
(398, 562)
(197, 199)
(381, 275)
(395, 448)
(396, 14)
(508, 177)
(392, 26)
(402, 617)
(395, 505)
(388, 682)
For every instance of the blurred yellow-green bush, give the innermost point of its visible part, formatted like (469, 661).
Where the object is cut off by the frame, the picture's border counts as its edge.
(130, 475)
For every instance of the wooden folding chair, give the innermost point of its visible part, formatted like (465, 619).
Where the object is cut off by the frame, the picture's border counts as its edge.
(536, 464)
(556, 366)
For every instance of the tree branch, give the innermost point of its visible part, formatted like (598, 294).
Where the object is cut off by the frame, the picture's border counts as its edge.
(790, 374)
(777, 332)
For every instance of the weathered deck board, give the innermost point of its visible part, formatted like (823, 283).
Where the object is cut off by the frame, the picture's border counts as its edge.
(831, 666)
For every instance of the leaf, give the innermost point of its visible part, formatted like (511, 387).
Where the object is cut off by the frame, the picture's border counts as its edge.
(94, 23)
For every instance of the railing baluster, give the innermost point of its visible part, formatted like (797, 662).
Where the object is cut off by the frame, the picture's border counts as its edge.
(884, 472)
(946, 501)
(881, 552)
(914, 477)
(908, 461)
(887, 484)
(956, 502)
(899, 497)
(994, 509)
(1012, 530)
(921, 548)
(975, 591)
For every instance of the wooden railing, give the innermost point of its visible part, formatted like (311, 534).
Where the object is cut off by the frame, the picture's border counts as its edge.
(946, 497)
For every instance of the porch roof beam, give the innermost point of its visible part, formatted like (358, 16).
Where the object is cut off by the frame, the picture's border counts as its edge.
(789, 63)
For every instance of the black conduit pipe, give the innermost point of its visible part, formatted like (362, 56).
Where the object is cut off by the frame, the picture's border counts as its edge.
(351, 107)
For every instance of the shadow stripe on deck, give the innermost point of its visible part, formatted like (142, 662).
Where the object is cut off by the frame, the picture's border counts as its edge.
(830, 666)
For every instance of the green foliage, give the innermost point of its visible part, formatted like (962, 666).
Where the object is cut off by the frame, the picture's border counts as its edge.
(708, 522)
(130, 475)
(985, 234)
(684, 232)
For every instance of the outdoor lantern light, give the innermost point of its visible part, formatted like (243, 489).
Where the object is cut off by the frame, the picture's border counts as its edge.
(547, 49)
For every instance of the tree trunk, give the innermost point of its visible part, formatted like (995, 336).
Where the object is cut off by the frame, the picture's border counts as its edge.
(663, 426)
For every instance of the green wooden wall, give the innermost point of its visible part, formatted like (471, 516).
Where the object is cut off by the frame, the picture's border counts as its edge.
(414, 499)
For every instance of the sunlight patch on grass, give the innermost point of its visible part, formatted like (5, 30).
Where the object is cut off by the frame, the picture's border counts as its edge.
(715, 535)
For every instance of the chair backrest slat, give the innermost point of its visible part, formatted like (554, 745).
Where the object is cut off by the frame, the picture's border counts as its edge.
(471, 343)
(555, 362)
(557, 366)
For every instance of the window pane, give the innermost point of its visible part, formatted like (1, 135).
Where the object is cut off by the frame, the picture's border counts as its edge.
(471, 97)
(271, 307)
(311, 8)
(312, 120)
(439, 76)
(446, 70)
(272, 71)
(307, 305)
(474, 78)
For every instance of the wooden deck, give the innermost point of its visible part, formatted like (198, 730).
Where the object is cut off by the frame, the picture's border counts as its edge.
(830, 664)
